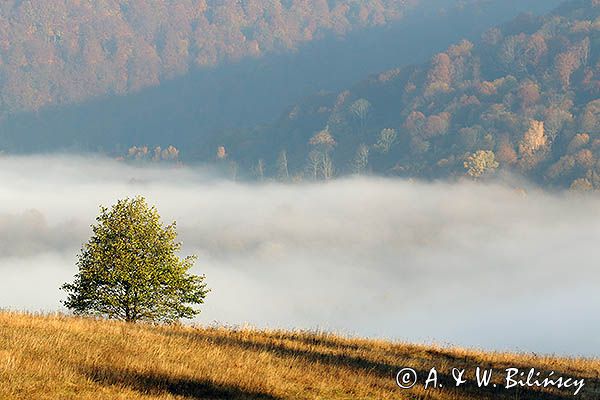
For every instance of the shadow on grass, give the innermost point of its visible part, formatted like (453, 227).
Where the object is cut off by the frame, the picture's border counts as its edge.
(160, 384)
(423, 361)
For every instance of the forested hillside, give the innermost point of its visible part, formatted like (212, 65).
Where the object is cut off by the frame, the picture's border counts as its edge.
(65, 51)
(524, 98)
(133, 73)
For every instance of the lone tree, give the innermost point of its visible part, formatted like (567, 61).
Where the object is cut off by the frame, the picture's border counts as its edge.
(129, 269)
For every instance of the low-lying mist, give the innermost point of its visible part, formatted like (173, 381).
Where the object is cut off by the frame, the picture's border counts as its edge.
(478, 265)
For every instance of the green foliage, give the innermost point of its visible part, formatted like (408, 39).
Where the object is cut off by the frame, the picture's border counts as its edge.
(481, 163)
(129, 269)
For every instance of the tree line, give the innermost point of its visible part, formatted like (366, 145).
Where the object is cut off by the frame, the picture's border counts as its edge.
(525, 98)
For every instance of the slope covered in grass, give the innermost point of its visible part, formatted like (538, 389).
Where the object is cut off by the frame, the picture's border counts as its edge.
(58, 357)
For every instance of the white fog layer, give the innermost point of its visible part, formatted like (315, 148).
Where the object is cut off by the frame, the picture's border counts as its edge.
(466, 264)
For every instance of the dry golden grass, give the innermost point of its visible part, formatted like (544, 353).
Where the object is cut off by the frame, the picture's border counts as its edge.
(60, 357)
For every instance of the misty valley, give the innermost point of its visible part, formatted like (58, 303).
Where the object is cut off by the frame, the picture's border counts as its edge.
(368, 256)
(299, 199)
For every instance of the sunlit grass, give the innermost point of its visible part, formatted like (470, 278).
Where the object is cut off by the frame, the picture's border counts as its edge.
(60, 357)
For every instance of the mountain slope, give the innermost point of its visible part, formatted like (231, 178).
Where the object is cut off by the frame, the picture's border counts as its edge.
(192, 109)
(525, 98)
(64, 52)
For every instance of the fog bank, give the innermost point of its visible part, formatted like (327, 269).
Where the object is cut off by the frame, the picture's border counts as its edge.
(472, 265)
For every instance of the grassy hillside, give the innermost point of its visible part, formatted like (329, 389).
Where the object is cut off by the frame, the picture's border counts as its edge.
(57, 357)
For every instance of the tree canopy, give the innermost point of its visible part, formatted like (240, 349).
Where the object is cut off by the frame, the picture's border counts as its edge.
(525, 96)
(129, 269)
(63, 52)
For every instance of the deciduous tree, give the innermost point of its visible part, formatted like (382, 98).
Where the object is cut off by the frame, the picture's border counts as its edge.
(480, 163)
(361, 159)
(130, 270)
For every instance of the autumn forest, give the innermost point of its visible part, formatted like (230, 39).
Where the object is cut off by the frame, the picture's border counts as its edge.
(518, 98)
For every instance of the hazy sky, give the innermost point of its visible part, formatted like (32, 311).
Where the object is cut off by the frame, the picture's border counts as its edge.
(473, 265)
